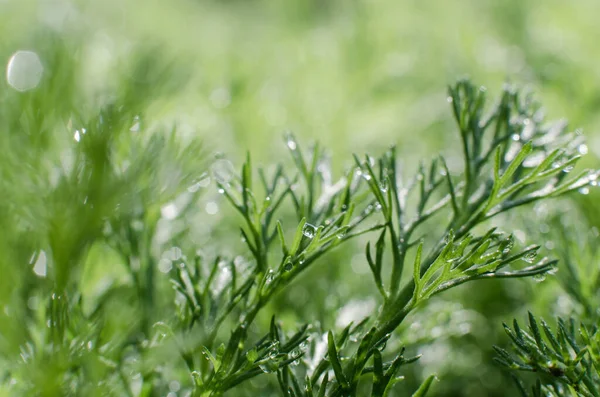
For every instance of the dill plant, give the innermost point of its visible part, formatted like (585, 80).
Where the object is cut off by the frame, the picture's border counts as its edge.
(84, 188)
(563, 354)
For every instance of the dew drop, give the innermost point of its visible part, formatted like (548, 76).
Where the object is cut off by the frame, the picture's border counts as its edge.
(197, 377)
(291, 142)
(288, 265)
(273, 350)
(270, 277)
(509, 244)
(309, 230)
(24, 70)
(584, 190)
(383, 186)
(582, 149)
(538, 278)
(221, 190)
(165, 265)
(202, 181)
(223, 171)
(567, 169)
(516, 137)
(447, 238)
(553, 270)
(530, 257)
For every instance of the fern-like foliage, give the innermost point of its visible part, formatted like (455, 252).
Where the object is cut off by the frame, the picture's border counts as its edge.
(510, 161)
(566, 360)
(121, 190)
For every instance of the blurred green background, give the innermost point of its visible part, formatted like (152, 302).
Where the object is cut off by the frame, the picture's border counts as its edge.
(358, 76)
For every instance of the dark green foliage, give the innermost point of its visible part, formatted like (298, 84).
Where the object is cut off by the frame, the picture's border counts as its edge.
(567, 359)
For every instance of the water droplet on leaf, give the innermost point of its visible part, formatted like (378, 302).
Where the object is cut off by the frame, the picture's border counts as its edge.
(270, 277)
(383, 186)
(309, 230)
(288, 265)
(202, 181)
(291, 142)
(530, 256)
(508, 244)
(223, 171)
(539, 277)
